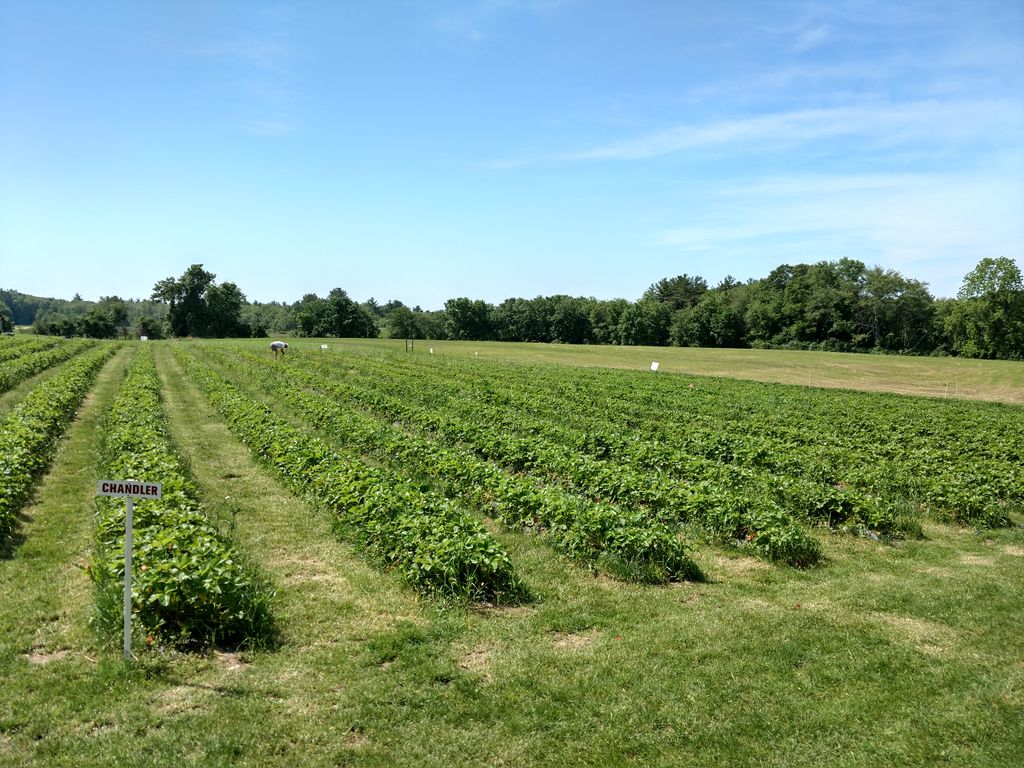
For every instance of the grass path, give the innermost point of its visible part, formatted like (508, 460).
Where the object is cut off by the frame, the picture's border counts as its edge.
(311, 568)
(45, 592)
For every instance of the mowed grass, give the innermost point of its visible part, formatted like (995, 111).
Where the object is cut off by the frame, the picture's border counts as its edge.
(953, 377)
(884, 655)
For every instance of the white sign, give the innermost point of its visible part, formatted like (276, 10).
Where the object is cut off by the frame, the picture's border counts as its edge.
(143, 338)
(131, 488)
(654, 365)
(323, 346)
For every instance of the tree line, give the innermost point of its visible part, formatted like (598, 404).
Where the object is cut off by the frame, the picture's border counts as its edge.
(830, 305)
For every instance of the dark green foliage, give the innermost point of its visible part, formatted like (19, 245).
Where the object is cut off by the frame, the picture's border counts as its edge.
(190, 588)
(38, 358)
(732, 457)
(198, 306)
(434, 546)
(468, 319)
(337, 315)
(29, 433)
(988, 319)
(6, 318)
(631, 543)
(13, 347)
(556, 487)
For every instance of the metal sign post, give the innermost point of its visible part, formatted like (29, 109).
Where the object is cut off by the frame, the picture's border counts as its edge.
(128, 578)
(130, 490)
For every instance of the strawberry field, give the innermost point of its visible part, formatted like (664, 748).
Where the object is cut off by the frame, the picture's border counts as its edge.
(546, 565)
(631, 472)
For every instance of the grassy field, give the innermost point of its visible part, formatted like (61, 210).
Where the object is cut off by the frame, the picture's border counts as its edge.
(909, 653)
(954, 377)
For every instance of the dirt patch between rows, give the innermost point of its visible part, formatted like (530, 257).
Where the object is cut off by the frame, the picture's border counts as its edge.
(574, 641)
(40, 656)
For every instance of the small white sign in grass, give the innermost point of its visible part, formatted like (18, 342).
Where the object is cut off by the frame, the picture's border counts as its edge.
(129, 489)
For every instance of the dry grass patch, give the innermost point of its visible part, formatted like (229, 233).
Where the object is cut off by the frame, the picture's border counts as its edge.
(302, 568)
(574, 641)
(356, 740)
(758, 604)
(491, 611)
(232, 662)
(722, 565)
(182, 698)
(1013, 551)
(478, 660)
(970, 559)
(927, 637)
(39, 656)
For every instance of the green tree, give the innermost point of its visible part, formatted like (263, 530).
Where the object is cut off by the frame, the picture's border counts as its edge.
(401, 324)
(313, 316)
(604, 319)
(764, 314)
(337, 315)
(351, 320)
(678, 292)
(224, 304)
(645, 323)
(468, 320)
(988, 317)
(894, 313)
(569, 320)
(200, 307)
(150, 328)
(6, 318)
(713, 322)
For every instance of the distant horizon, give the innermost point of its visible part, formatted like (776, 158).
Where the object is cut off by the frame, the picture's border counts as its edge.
(380, 299)
(503, 148)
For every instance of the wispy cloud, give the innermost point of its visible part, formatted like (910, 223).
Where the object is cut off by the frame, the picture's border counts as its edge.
(256, 65)
(475, 21)
(924, 119)
(263, 54)
(898, 220)
(812, 38)
(270, 127)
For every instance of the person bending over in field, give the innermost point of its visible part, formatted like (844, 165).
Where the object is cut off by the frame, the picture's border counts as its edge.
(278, 348)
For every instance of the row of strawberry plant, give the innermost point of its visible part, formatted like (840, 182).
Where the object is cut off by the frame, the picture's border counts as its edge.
(435, 546)
(17, 370)
(806, 489)
(806, 481)
(190, 587)
(629, 543)
(725, 500)
(30, 432)
(867, 453)
(19, 346)
(959, 461)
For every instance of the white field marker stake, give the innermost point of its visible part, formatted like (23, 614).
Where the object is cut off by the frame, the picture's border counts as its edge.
(129, 489)
(654, 365)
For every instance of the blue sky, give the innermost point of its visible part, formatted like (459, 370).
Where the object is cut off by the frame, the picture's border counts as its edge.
(428, 150)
